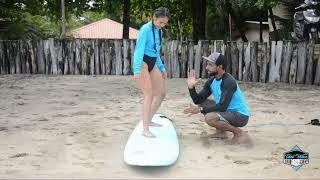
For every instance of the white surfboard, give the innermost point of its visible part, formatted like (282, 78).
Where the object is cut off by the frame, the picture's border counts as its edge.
(160, 151)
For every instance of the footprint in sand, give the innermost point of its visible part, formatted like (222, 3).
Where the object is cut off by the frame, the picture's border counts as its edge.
(241, 162)
(3, 129)
(19, 155)
(299, 132)
(21, 103)
(114, 118)
(60, 115)
(69, 103)
(81, 113)
(17, 97)
(41, 119)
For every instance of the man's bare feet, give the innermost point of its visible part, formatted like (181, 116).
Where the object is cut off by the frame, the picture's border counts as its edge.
(220, 135)
(148, 134)
(155, 124)
(237, 137)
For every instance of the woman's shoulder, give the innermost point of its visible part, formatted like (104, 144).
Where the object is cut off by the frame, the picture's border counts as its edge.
(147, 26)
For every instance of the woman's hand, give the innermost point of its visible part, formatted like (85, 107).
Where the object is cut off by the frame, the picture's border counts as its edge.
(136, 76)
(164, 74)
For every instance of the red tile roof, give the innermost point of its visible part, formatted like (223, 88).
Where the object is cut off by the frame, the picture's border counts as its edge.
(103, 29)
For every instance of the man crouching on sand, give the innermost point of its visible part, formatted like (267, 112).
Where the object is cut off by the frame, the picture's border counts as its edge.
(230, 110)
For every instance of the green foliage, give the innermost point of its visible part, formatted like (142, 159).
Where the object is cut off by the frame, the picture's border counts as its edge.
(180, 23)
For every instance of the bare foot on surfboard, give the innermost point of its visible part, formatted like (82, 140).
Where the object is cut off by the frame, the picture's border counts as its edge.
(148, 134)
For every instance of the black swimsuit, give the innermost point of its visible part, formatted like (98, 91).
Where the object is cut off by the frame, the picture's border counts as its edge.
(150, 61)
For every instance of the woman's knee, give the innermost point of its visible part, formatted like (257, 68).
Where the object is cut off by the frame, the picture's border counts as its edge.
(162, 94)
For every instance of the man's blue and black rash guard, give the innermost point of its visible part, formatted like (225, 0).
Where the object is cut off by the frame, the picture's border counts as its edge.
(145, 46)
(226, 93)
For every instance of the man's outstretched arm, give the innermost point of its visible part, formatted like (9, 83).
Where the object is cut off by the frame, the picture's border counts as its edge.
(199, 98)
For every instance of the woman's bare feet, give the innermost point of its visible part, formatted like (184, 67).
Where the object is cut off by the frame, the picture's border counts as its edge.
(237, 137)
(155, 124)
(148, 134)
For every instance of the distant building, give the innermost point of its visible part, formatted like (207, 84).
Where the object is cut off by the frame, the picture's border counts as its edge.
(103, 29)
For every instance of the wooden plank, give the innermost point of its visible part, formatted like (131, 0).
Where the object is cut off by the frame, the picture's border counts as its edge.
(198, 58)
(317, 74)
(60, 56)
(126, 60)
(71, 57)
(253, 63)
(276, 58)
(78, 56)
(246, 72)
(190, 55)
(302, 58)
(132, 47)
(84, 58)
(46, 56)
(5, 58)
(66, 56)
(40, 58)
(228, 58)
(293, 65)
(2, 67)
(118, 57)
(108, 56)
(54, 64)
(91, 55)
(32, 57)
(18, 57)
(184, 59)
(219, 46)
(174, 60)
(24, 54)
(205, 52)
(287, 56)
(113, 58)
(310, 63)
(264, 61)
(167, 57)
(101, 46)
(241, 57)
(234, 53)
(97, 64)
(11, 50)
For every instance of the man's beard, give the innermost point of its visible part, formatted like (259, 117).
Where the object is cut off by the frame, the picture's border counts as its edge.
(214, 73)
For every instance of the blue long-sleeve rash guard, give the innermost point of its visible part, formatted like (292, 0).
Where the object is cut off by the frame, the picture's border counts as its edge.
(145, 46)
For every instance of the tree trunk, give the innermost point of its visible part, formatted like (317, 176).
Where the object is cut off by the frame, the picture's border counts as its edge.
(275, 36)
(236, 21)
(63, 20)
(126, 19)
(199, 19)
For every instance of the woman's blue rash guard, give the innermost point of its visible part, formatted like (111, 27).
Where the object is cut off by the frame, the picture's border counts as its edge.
(145, 45)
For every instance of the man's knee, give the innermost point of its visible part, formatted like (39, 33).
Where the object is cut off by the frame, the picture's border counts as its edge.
(211, 119)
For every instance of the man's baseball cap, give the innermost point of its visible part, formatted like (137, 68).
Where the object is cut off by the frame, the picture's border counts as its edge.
(216, 58)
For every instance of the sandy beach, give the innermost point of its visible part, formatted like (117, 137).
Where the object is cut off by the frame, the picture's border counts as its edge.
(77, 127)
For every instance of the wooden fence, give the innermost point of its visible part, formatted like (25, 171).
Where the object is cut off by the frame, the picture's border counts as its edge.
(282, 61)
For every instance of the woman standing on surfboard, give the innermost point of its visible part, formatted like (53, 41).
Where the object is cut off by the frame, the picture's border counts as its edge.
(148, 69)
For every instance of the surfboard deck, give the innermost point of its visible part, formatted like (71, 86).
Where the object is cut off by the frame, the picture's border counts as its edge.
(160, 151)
